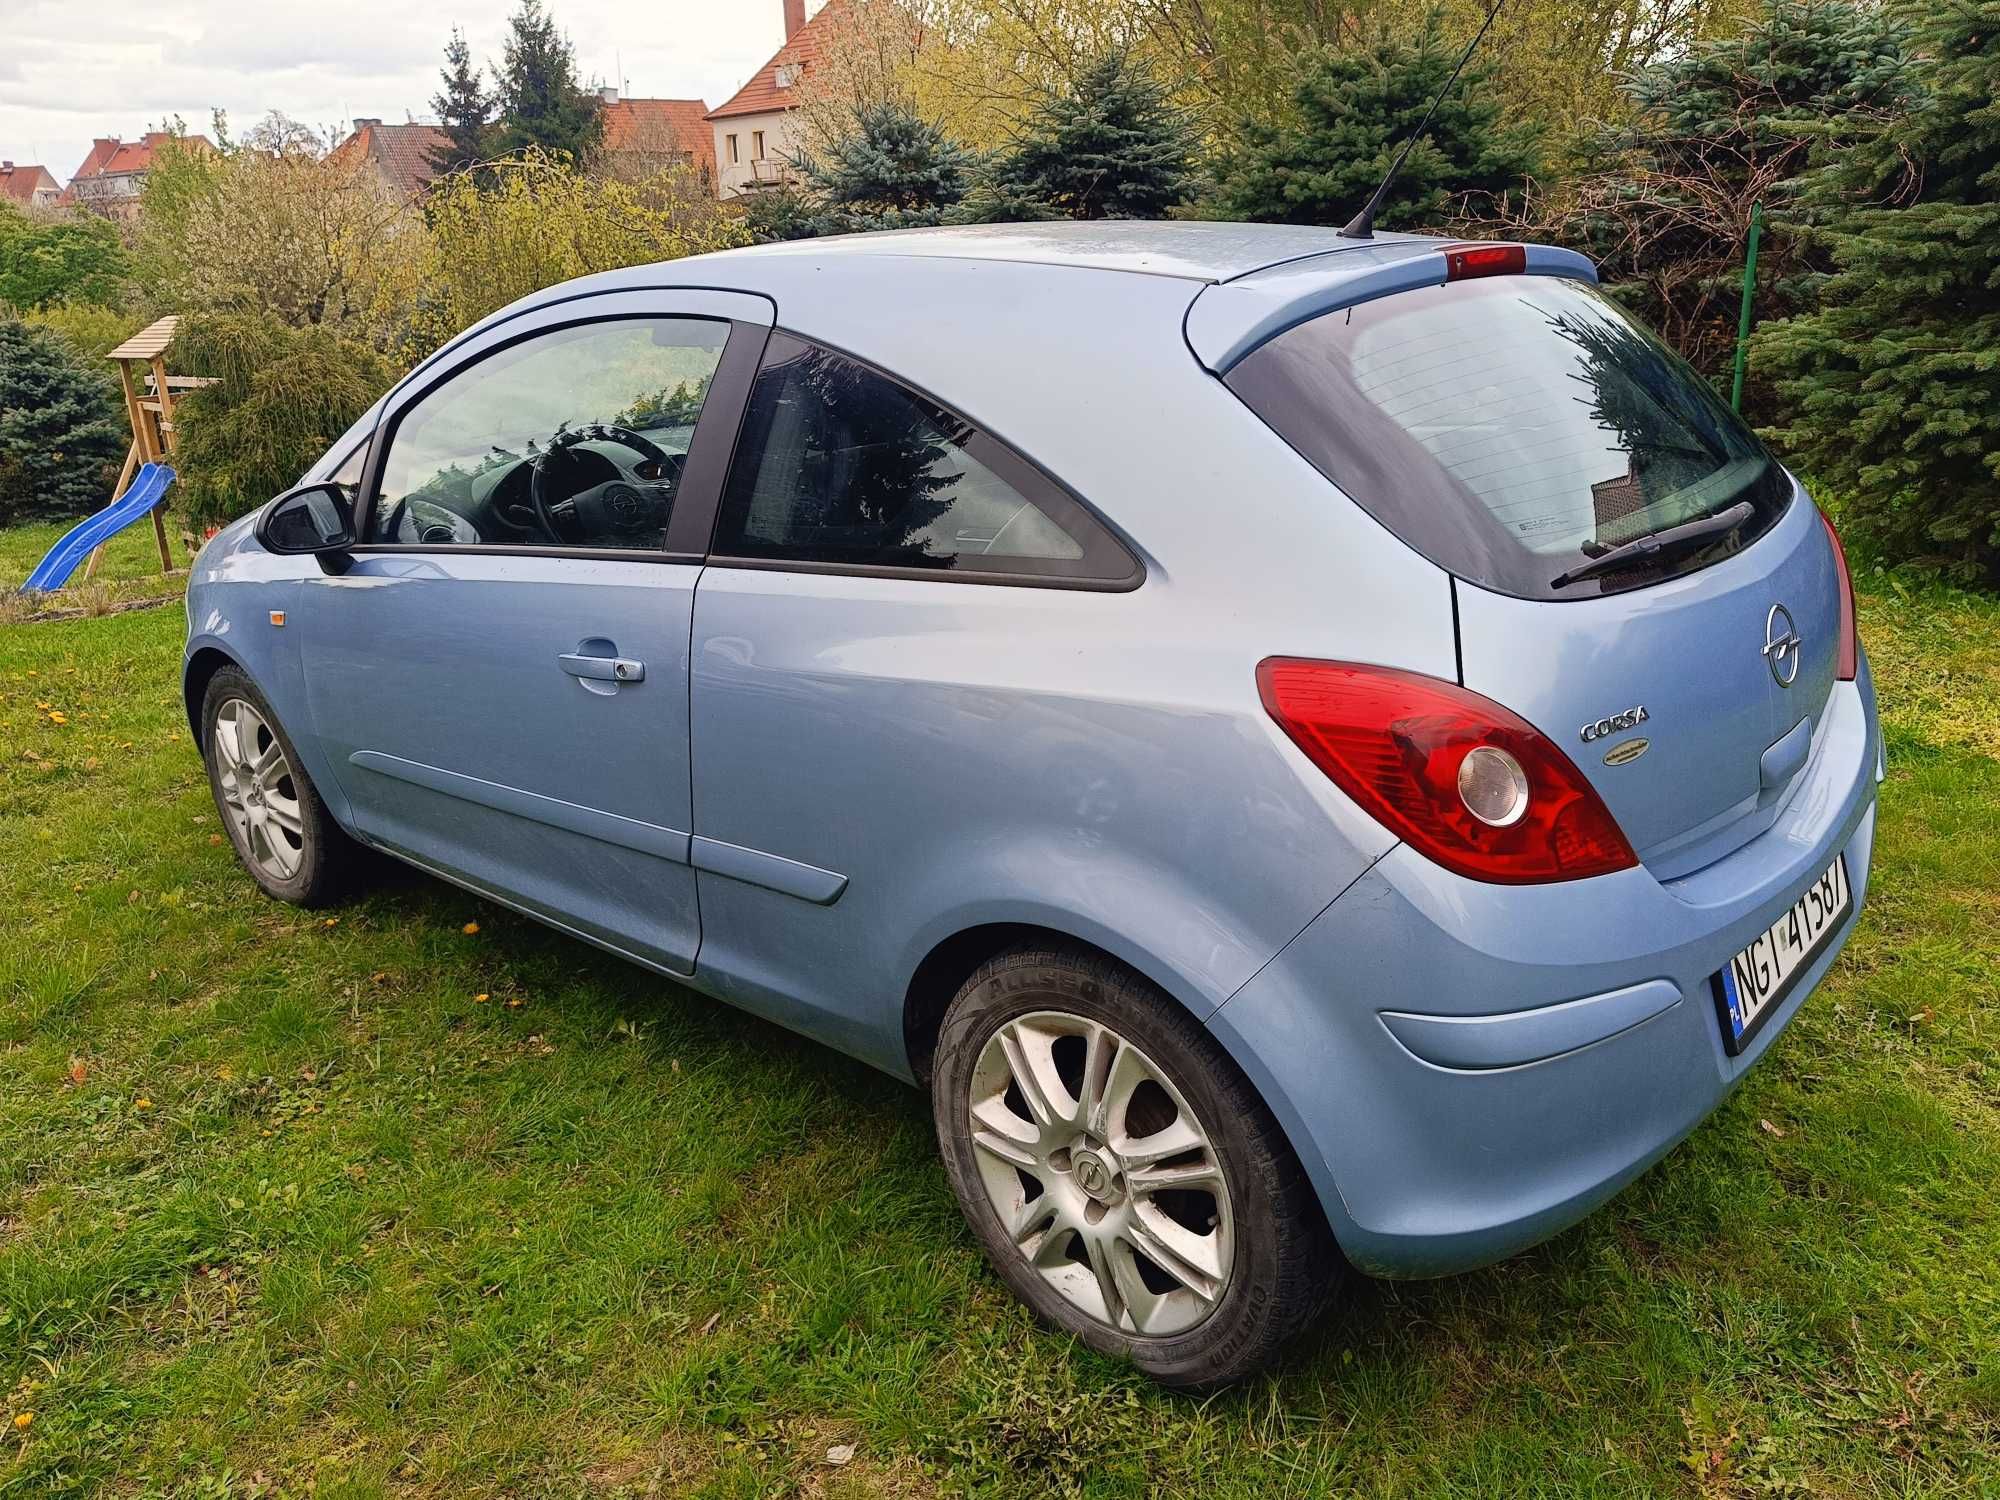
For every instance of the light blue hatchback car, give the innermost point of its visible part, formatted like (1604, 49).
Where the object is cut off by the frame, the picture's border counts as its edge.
(1296, 742)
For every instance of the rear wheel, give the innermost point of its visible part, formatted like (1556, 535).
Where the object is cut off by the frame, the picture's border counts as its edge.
(281, 829)
(1125, 1179)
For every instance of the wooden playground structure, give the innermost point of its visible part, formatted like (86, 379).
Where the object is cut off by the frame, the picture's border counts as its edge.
(150, 394)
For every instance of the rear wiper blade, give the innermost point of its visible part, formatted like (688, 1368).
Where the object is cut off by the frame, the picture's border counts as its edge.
(1657, 544)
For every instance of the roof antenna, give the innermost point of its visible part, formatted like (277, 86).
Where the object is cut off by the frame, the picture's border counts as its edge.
(1362, 225)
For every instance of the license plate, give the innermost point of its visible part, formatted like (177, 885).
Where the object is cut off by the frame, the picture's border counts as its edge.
(1750, 988)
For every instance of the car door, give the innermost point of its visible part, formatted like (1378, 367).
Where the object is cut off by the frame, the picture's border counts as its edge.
(499, 678)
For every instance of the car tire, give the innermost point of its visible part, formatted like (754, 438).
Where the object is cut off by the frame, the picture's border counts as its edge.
(272, 812)
(1198, 1266)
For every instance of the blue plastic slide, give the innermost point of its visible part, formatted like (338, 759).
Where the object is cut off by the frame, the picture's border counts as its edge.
(144, 492)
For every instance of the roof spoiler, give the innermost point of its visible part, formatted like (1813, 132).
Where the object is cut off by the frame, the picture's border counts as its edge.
(1227, 321)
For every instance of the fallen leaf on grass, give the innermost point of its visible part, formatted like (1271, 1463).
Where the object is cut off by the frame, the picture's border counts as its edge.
(215, 838)
(840, 1453)
(142, 1103)
(78, 1070)
(470, 929)
(24, 1421)
(1769, 1129)
(481, 999)
(709, 1327)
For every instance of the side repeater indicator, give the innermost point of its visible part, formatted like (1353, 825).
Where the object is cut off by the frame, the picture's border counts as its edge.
(278, 617)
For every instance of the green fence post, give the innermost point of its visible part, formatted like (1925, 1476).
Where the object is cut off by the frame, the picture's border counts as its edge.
(1743, 318)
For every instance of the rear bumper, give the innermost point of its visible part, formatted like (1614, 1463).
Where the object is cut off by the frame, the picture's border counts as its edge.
(1568, 1034)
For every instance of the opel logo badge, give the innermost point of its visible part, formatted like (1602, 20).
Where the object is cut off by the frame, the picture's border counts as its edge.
(1781, 645)
(1091, 1174)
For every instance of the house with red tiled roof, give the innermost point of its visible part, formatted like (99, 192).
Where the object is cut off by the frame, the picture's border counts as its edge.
(642, 136)
(755, 129)
(111, 177)
(33, 187)
(399, 155)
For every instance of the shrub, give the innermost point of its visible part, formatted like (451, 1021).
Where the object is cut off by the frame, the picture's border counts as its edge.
(281, 396)
(542, 221)
(91, 331)
(1663, 201)
(70, 258)
(62, 432)
(1891, 384)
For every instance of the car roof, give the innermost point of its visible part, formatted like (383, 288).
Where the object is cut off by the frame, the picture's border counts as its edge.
(1193, 250)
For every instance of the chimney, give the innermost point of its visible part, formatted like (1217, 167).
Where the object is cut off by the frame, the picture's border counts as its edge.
(6, 166)
(795, 17)
(362, 122)
(608, 94)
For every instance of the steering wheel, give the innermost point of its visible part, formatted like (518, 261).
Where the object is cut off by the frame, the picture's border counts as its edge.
(628, 503)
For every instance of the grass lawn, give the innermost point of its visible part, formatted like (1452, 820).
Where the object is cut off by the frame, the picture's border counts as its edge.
(130, 570)
(419, 1198)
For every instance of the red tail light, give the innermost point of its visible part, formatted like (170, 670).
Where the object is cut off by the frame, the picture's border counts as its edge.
(1463, 262)
(1850, 638)
(1402, 745)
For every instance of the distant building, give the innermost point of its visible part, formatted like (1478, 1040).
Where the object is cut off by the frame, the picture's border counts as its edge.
(399, 155)
(756, 131)
(644, 136)
(28, 187)
(112, 176)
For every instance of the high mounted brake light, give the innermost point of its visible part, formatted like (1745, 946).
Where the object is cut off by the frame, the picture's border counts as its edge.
(1463, 262)
(1461, 780)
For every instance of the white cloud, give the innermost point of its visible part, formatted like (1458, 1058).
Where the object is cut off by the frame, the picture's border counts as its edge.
(117, 67)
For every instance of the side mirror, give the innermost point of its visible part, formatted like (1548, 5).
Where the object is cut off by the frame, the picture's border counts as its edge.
(316, 518)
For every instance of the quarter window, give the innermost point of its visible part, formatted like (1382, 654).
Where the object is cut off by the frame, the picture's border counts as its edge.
(572, 438)
(839, 464)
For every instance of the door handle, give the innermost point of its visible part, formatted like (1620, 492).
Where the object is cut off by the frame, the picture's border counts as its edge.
(602, 668)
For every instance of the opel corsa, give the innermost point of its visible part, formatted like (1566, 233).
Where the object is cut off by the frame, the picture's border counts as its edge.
(1306, 747)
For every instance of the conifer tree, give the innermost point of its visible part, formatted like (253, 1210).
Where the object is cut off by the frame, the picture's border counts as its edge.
(1352, 112)
(542, 105)
(894, 170)
(464, 109)
(1892, 384)
(1112, 146)
(60, 433)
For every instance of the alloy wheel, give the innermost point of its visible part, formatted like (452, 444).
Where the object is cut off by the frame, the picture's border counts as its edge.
(1102, 1175)
(259, 795)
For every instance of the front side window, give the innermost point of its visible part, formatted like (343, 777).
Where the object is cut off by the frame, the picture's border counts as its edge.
(572, 438)
(838, 464)
(1514, 429)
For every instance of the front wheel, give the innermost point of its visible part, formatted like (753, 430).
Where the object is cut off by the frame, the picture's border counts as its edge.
(1125, 1179)
(281, 829)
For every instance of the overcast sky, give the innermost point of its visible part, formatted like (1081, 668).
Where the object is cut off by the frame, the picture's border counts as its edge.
(71, 70)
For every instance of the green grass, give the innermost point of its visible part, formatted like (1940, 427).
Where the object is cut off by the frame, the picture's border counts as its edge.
(130, 570)
(287, 1207)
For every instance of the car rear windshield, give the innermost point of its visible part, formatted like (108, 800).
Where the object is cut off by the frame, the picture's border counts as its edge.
(1514, 428)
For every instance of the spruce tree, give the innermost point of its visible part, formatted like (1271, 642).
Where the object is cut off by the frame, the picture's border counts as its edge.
(893, 170)
(1111, 146)
(1891, 386)
(542, 106)
(464, 110)
(1662, 200)
(60, 431)
(1352, 112)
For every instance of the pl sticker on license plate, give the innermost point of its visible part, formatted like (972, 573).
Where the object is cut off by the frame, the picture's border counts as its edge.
(1750, 988)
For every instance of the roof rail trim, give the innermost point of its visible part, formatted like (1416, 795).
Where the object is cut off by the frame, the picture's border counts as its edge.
(1229, 321)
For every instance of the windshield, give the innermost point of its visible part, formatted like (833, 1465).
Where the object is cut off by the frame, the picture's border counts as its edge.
(1512, 429)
